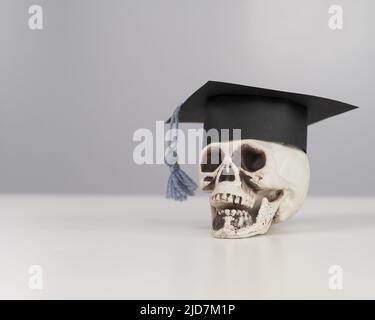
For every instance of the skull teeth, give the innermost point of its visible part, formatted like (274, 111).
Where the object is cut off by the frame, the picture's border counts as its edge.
(227, 197)
(239, 200)
(234, 213)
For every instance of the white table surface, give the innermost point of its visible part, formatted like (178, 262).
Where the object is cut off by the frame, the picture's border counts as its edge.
(103, 247)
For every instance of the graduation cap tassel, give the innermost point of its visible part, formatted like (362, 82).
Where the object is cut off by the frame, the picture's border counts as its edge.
(180, 185)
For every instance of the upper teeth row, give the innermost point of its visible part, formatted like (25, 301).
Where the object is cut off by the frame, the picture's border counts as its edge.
(244, 200)
(227, 197)
(233, 212)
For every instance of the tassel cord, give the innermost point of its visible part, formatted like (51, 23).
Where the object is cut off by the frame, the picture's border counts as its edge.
(180, 185)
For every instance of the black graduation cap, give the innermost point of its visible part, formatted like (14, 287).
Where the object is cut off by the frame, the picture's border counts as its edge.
(259, 113)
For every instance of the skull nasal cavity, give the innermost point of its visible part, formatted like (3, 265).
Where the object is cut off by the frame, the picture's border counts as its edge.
(227, 174)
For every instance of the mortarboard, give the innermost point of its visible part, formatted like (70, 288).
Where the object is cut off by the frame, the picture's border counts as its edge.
(261, 114)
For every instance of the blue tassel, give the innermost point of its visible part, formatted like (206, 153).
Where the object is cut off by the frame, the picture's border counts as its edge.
(180, 185)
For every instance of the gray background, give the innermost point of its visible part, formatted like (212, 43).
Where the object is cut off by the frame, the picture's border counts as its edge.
(72, 95)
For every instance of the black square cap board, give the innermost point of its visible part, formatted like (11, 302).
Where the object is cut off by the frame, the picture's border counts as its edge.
(261, 114)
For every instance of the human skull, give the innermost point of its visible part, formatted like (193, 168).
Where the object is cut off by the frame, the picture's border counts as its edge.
(253, 183)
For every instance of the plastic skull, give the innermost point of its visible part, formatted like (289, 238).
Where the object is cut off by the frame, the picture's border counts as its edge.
(252, 184)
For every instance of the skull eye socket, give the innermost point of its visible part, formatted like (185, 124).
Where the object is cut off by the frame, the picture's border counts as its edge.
(212, 159)
(252, 159)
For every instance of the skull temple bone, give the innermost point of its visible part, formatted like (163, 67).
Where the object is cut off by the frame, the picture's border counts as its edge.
(253, 184)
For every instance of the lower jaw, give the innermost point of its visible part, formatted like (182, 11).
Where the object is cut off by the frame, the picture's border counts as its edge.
(244, 232)
(228, 225)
